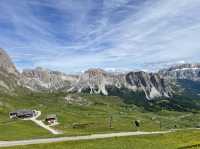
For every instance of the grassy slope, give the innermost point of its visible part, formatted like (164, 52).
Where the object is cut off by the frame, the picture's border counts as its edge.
(164, 141)
(95, 115)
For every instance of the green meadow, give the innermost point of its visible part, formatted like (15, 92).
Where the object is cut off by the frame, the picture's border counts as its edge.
(177, 140)
(101, 114)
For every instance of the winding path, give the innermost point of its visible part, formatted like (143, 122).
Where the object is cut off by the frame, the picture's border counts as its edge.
(41, 124)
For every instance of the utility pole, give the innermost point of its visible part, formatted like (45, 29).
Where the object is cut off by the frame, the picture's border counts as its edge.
(110, 122)
(160, 125)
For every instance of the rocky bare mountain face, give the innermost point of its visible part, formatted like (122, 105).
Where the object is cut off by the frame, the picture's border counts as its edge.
(9, 75)
(184, 71)
(41, 79)
(97, 81)
(6, 63)
(152, 84)
(186, 77)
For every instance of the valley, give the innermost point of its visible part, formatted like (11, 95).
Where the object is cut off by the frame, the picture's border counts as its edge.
(89, 118)
(99, 74)
(98, 102)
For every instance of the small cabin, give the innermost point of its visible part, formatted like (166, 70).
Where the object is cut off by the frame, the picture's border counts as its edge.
(51, 119)
(22, 114)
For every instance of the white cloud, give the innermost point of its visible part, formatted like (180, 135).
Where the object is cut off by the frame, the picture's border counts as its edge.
(72, 35)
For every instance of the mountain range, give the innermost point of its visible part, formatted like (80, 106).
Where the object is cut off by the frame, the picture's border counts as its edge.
(165, 83)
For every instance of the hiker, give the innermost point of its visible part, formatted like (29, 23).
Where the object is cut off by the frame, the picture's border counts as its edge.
(137, 124)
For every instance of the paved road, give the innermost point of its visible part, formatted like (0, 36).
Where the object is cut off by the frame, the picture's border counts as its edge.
(78, 138)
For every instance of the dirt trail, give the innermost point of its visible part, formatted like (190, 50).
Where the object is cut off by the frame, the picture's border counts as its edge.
(41, 124)
(78, 138)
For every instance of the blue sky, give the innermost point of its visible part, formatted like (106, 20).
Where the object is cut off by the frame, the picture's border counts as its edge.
(74, 35)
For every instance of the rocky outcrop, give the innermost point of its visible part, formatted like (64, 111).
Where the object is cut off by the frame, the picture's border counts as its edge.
(184, 71)
(94, 81)
(97, 81)
(76, 100)
(153, 85)
(6, 64)
(9, 75)
(186, 78)
(41, 79)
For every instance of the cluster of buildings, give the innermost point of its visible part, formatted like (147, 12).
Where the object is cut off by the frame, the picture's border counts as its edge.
(26, 114)
(22, 114)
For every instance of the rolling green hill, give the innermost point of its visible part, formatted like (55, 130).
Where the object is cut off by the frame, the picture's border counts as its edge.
(90, 114)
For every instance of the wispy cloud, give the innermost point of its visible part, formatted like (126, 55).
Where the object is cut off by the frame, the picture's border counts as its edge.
(72, 35)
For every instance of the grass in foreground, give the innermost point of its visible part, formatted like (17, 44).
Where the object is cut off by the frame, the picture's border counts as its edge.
(181, 140)
(96, 116)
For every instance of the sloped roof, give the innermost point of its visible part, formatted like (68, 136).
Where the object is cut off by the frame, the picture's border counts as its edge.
(51, 116)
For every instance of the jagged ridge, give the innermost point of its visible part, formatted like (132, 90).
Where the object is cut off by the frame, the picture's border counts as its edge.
(184, 71)
(9, 75)
(96, 81)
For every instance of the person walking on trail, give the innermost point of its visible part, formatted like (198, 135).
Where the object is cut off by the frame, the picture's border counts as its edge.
(137, 124)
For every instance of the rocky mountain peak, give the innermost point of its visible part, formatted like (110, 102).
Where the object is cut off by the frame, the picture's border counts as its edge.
(9, 76)
(6, 63)
(99, 81)
(184, 66)
(152, 84)
(95, 72)
(44, 79)
(183, 71)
